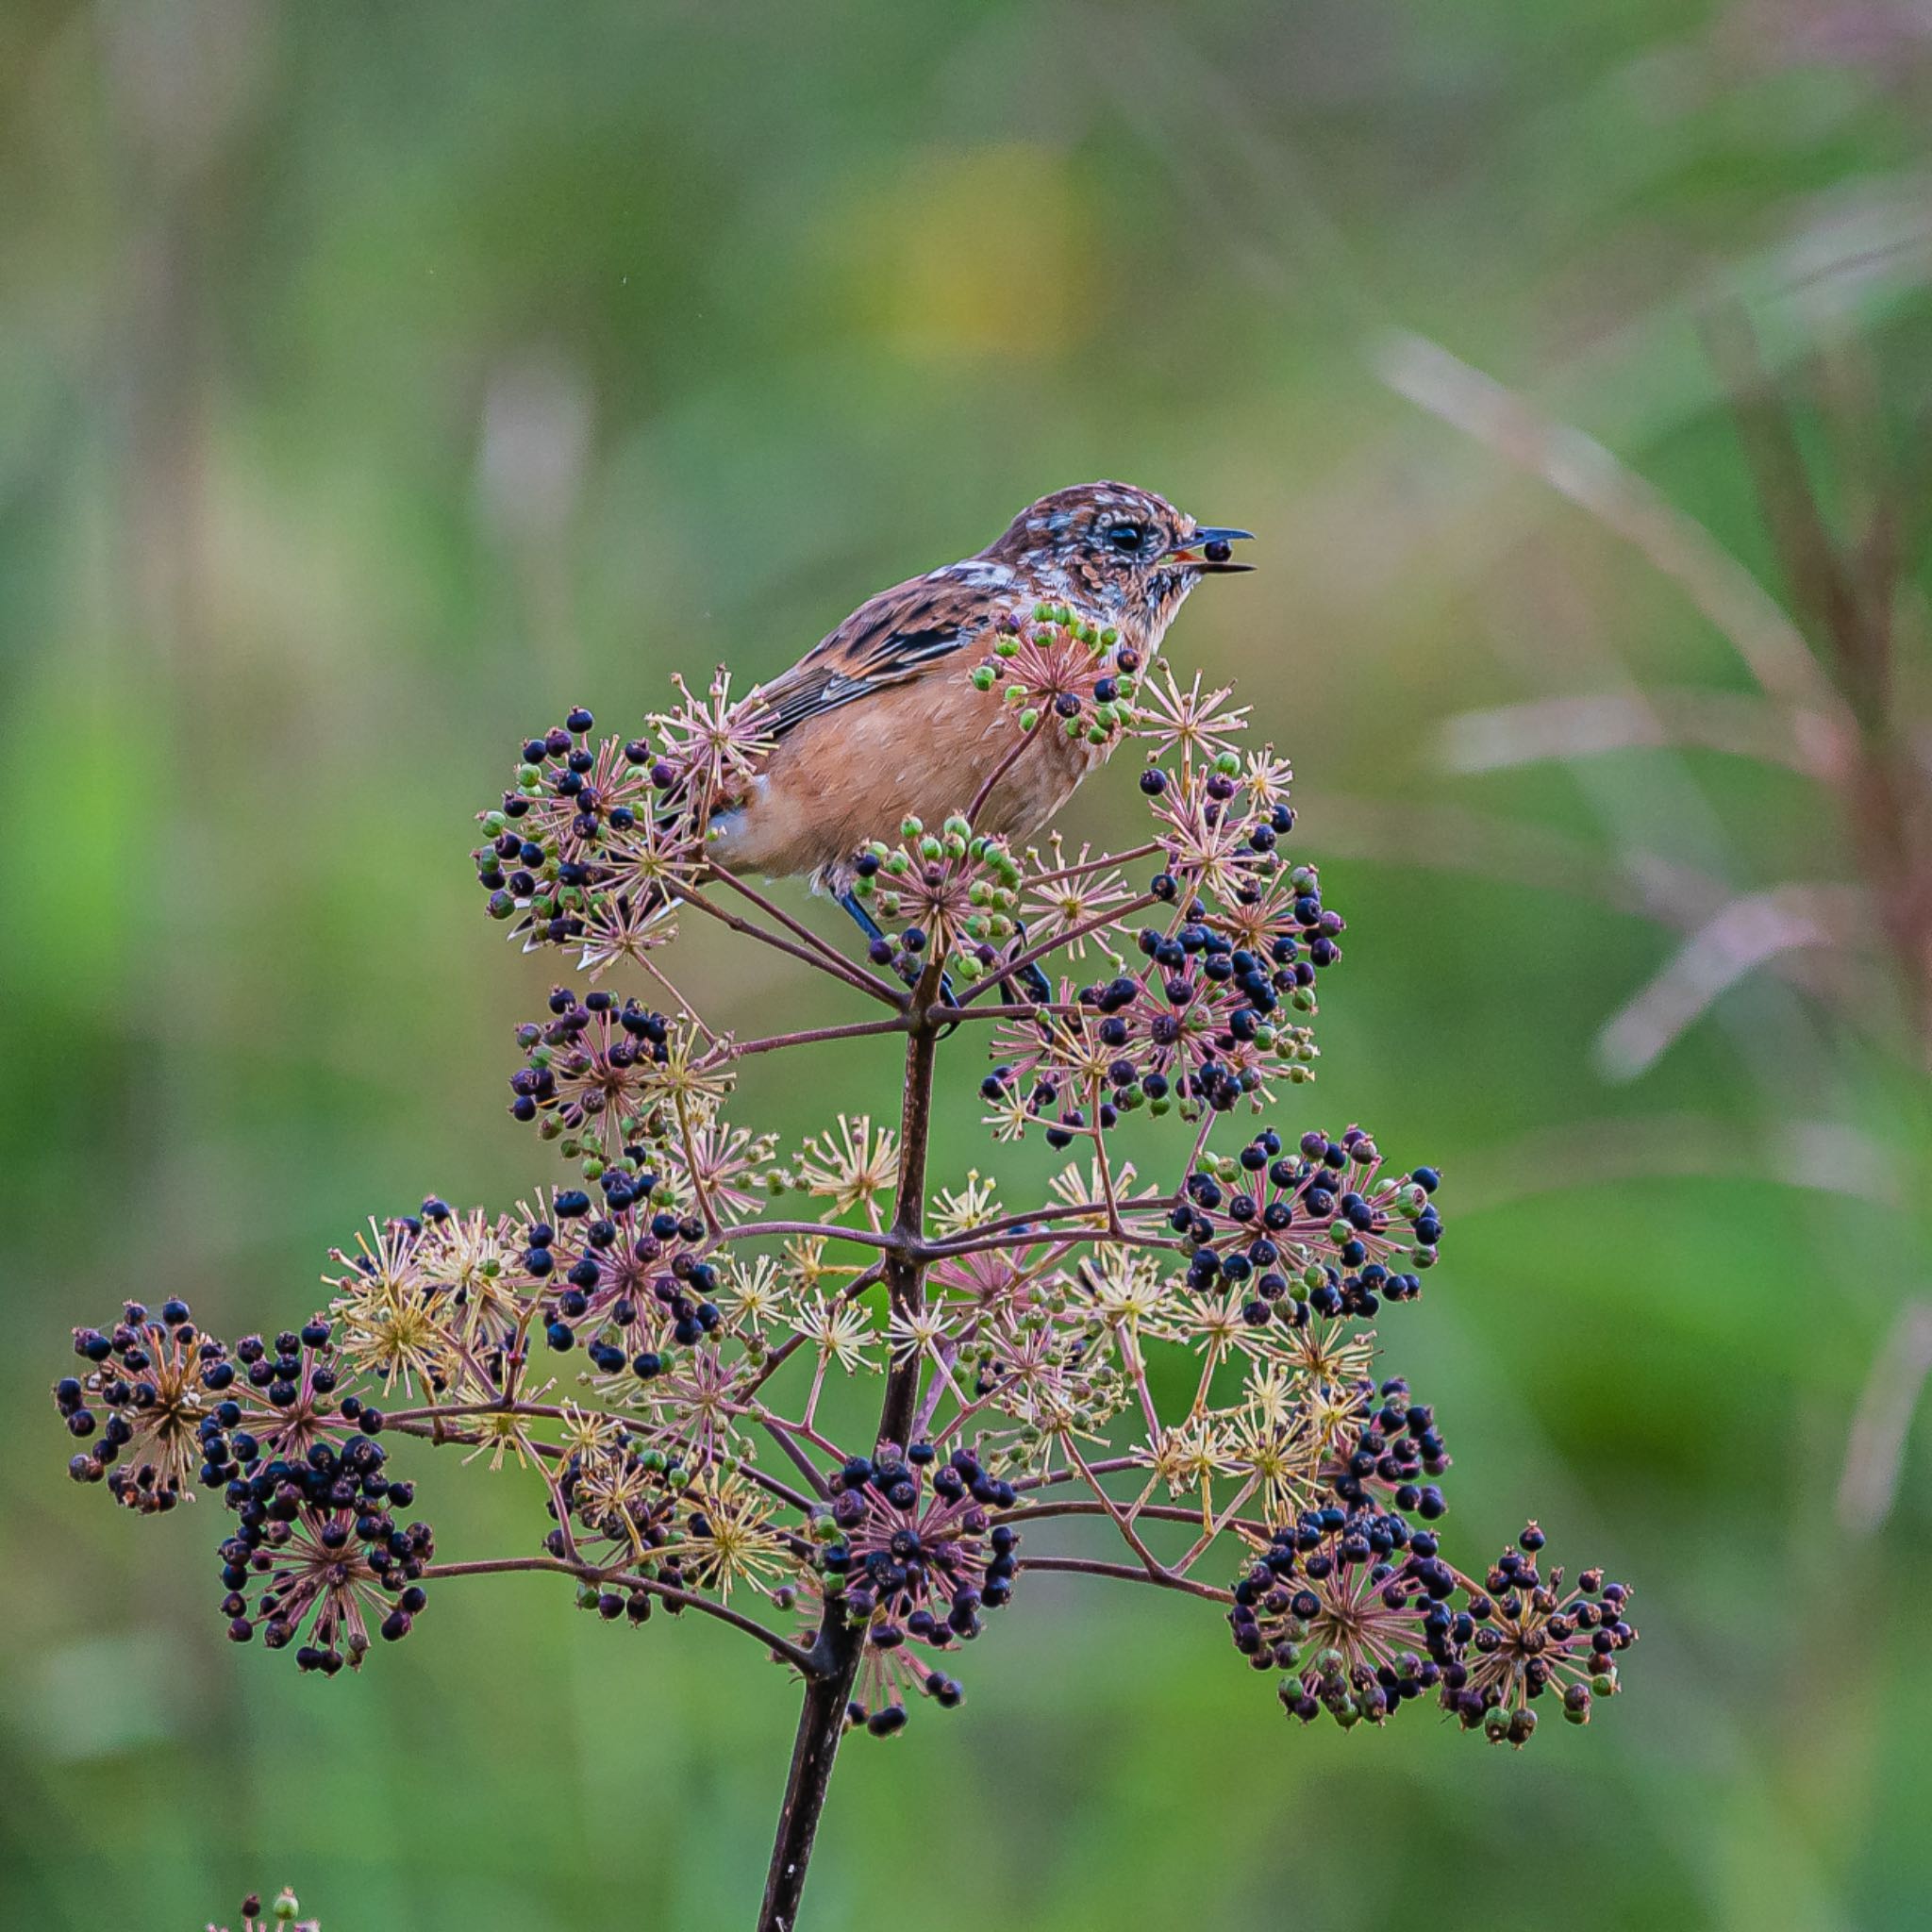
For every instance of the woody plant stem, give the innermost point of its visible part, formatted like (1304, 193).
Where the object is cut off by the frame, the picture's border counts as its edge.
(840, 1642)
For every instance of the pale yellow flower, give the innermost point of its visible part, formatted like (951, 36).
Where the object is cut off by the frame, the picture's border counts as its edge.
(958, 1209)
(840, 1330)
(392, 1318)
(728, 1538)
(852, 1166)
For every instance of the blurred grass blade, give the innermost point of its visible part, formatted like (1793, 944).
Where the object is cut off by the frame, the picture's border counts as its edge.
(1875, 1456)
(1680, 720)
(1751, 930)
(1580, 468)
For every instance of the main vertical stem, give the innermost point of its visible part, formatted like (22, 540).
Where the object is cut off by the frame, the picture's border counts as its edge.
(821, 1723)
(904, 1268)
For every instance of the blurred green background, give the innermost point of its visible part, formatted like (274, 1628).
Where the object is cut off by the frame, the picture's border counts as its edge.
(376, 381)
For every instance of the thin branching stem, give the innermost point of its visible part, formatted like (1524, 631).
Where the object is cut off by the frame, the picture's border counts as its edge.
(1106, 861)
(813, 1035)
(822, 1720)
(810, 1230)
(828, 955)
(801, 1661)
(1156, 1512)
(843, 970)
(1125, 1572)
(1000, 771)
(785, 1437)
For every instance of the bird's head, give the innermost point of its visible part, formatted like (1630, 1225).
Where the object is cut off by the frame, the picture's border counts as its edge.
(1116, 551)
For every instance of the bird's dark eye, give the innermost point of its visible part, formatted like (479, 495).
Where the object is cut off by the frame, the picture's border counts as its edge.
(1126, 537)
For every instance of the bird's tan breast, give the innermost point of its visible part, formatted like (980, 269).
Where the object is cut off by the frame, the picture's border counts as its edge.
(920, 749)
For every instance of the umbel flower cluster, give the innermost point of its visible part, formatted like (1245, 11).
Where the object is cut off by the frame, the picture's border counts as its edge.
(1164, 1378)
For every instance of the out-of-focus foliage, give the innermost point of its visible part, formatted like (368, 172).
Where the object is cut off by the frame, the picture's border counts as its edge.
(376, 381)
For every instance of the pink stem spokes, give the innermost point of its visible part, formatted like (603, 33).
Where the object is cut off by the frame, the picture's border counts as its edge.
(971, 1242)
(810, 1434)
(803, 1462)
(813, 1035)
(1026, 1238)
(1024, 1010)
(1100, 864)
(1115, 1231)
(1120, 1522)
(1148, 1512)
(1138, 1369)
(679, 999)
(692, 1168)
(1110, 1466)
(1211, 1531)
(935, 1392)
(819, 1230)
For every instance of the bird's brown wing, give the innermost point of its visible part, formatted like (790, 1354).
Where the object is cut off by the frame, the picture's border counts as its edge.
(889, 640)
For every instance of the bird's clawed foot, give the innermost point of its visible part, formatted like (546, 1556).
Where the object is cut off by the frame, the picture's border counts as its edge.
(948, 998)
(1038, 987)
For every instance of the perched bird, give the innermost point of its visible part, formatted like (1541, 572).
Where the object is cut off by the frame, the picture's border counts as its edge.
(879, 720)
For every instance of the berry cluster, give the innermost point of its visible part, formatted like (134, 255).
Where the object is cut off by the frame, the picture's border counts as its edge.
(263, 1422)
(1361, 1614)
(1063, 669)
(1215, 1012)
(953, 893)
(1325, 1230)
(319, 1545)
(910, 1551)
(589, 1071)
(157, 1380)
(596, 840)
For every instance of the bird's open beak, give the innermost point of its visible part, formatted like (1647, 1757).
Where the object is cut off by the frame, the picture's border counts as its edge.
(1207, 550)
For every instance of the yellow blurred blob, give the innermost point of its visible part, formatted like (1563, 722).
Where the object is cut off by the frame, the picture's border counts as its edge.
(974, 252)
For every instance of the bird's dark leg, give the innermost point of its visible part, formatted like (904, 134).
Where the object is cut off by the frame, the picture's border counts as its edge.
(865, 921)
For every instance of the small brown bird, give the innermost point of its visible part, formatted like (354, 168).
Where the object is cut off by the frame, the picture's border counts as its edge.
(878, 721)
